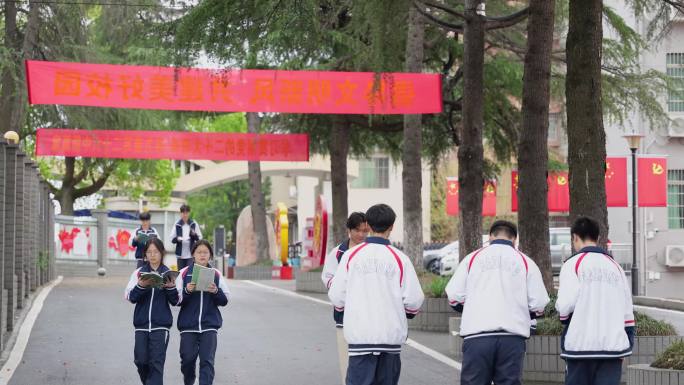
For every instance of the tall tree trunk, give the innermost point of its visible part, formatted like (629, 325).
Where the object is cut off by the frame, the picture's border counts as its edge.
(339, 149)
(256, 195)
(413, 142)
(533, 217)
(470, 152)
(20, 97)
(586, 135)
(9, 72)
(65, 195)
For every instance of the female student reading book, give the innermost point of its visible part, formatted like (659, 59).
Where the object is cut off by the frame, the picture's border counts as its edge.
(199, 318)
(151, 288)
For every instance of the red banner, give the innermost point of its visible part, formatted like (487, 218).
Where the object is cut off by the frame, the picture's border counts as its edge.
(194, 89)
(488, 198)
(559, 191)
(652, 182)
(172, 145)
(452, 196)
(514, 191)
(616, 182)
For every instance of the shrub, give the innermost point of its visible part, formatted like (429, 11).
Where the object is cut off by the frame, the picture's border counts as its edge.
(671, 358)
(435, 287)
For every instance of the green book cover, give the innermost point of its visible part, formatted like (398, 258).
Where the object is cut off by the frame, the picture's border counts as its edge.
(154, 278)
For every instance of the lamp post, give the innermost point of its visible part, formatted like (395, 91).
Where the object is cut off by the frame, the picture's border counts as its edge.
(633, 141)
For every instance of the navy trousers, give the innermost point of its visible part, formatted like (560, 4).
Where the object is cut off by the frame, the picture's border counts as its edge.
(593, 372)
(182, 263)
(371, 369)
(149, 355)
(193, 345)
(493, 358)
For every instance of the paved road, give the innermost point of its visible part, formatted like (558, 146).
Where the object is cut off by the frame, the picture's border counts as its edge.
(84, 336)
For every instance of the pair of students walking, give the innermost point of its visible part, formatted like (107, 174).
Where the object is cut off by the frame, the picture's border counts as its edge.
(199, 318)
(499, 290)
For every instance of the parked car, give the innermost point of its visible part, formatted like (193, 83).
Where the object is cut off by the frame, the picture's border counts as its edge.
(559, 241)
(431, 258)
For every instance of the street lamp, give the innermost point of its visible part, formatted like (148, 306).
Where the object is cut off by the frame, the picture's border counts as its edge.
(633, 141)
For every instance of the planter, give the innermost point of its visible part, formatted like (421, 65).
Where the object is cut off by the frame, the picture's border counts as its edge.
(542, 359)
(643, 374)
(434, 316)
(309, 282)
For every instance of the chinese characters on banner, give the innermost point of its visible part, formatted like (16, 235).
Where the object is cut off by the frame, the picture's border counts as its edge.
(172, 145)
(488, 198)
(193, 89)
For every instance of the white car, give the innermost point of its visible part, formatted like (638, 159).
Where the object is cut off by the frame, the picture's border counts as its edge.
(449, 262)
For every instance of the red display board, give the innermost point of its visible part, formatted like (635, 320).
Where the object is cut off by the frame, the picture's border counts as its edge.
(194, 89)
(172, 145)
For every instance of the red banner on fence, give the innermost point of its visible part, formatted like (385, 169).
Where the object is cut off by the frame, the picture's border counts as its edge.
(559, 191)
(616, 182)
(194, 89)
(452, 196)
(652, 182)
(172, 145)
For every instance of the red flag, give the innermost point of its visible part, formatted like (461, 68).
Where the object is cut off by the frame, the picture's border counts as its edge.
(514, 191)
(559, 191)
(489, 199)
(452, 197)
(616, 182)
(652, 182)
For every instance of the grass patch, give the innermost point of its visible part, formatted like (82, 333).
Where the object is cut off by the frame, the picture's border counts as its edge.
(434, 288)
(671, 358)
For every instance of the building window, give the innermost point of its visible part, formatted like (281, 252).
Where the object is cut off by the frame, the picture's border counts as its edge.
(675, 199)
(675, 70)
(373, 173)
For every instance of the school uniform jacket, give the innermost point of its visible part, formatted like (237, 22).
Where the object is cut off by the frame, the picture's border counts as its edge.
(595, 304)
(332, 260)
(139, 246)
(200, 310)
(499, 289)
(377, 288)
(152, 310)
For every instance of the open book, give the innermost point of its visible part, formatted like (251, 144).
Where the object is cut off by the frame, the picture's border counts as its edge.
(158, 280)
(202, 277)
(143, 238)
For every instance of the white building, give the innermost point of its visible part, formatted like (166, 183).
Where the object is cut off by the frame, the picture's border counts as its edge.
(659, 229)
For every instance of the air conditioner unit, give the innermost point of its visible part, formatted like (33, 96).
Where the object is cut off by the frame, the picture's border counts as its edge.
(676, 128)
(674, 256)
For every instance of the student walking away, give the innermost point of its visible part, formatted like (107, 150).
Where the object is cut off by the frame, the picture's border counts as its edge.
(200, 318)
(595, 305)
(499, 290)
(377, 288)
(152, 316)
(142, 235)
(357, 231)
(184, 235)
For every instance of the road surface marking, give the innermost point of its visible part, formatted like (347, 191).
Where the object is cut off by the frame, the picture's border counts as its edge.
(420, 347)
(24, 333)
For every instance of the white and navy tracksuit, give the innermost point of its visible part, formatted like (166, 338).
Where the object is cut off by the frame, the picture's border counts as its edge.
(152, 319)
(189, 233)
(198, 321)
(377, 288)
(595, 304)
(139, 247)
(500, 290)
(332, 261)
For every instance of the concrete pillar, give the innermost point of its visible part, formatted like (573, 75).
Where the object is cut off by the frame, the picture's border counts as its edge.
(52, 250)
(3, 228)
(10, 240)
(20, 230)
(28, 227)
(35, 226)
(102, 223)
